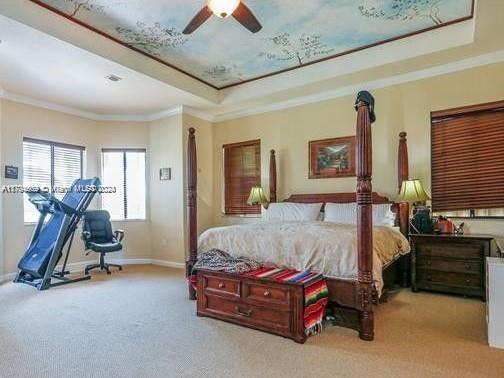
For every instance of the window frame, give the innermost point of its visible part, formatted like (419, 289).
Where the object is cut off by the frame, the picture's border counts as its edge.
(52, 145)
(239, 144)
(125, 167)
(457, 112)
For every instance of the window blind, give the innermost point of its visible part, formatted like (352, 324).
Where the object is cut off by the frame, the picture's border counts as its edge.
(49, 165)
(468, 158)
(124, 170)
(242, 171)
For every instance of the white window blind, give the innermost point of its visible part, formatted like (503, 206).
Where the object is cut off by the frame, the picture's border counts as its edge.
(48, 166)
(124, 170)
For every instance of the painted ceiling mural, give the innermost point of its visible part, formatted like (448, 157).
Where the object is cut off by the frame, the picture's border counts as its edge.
(295, 32)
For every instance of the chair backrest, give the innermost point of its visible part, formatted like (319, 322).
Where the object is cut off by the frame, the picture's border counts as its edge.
(97, 223)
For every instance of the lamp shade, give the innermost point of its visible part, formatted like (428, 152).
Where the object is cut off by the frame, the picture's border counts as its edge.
(257, 197)
(412, 191)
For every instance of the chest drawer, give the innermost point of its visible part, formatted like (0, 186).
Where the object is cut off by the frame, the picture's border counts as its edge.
(450, 265)
(449, 278)
(221, 286)
(450, 250)
(266, 294)
(265, 318)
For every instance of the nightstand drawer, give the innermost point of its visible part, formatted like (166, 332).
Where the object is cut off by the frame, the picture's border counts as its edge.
(450, 265)
(452, 250)
(447, 278)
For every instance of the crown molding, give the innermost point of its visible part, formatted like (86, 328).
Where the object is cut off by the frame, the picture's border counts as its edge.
(461, 65)
(473, 62)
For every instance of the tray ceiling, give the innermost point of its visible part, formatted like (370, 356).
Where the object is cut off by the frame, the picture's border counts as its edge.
(295, 33)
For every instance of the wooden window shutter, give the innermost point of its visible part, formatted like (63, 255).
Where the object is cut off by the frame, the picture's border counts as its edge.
(242, 171)
(468, 158)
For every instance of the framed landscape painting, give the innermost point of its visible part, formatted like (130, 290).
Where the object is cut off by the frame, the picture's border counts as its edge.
(332, 158)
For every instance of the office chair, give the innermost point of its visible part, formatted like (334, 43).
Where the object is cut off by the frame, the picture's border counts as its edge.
(98, 237)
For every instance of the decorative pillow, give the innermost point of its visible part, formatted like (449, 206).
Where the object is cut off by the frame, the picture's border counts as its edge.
(288, 211)
(346, 213)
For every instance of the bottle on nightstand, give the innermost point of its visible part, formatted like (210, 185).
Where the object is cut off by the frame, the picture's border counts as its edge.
(495, 301)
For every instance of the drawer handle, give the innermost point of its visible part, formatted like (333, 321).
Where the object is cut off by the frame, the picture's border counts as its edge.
(468, 281)
(267, 294)
(222, 285)
(243, 313)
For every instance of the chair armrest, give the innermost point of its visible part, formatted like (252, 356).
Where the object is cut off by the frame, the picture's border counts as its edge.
(86, 235)
(119, 235)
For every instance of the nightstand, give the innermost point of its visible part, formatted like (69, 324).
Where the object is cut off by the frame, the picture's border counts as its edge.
(450, 263)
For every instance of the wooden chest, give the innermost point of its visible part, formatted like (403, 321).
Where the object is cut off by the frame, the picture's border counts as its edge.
(268, 306)
(450, 263)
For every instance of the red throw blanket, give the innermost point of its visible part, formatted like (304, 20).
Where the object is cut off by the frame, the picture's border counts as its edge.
(316, 294)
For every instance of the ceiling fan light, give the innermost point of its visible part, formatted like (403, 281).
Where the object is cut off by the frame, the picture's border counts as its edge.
(223, 8)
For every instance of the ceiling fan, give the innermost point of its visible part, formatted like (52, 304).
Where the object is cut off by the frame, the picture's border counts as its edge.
(224, 9)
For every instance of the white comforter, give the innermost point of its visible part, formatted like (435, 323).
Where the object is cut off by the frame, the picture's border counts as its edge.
(325, 247)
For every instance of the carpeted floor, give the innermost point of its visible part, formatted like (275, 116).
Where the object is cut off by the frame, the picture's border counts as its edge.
(138, 323)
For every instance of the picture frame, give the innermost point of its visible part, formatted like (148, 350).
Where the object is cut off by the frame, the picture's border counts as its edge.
(332, 158)
(11, 172)
(165, 174)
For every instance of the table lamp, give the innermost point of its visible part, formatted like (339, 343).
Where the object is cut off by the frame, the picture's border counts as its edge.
(257, 197)
(412, 191)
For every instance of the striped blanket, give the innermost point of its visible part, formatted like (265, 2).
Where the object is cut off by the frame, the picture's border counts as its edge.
(315, 294)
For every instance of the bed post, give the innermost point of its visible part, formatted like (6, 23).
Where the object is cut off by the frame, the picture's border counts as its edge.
(192, 178)
(272, 177)
(365, 115)
(404, 210)
(403, 174)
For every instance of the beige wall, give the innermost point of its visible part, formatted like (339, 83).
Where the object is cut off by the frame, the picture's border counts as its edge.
(18, 121)
(167, 197)
(403, 107)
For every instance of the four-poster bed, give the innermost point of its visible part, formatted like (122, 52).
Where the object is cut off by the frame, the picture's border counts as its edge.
(358, 294)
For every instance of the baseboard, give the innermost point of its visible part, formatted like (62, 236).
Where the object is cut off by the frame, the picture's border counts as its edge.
(81, 265)
(169, 264)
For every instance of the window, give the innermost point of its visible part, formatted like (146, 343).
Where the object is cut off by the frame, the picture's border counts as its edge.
(242, 171)
(468, 161)
(49, 166)
(124, 170)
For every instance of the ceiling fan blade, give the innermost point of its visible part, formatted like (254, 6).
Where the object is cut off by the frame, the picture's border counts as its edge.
(244, 16)
(203, 15)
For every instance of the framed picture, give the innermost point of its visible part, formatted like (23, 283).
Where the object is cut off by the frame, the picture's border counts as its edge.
(11, 172)
(332, 158)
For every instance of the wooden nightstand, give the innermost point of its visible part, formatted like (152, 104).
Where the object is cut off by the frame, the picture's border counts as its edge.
(450, 263)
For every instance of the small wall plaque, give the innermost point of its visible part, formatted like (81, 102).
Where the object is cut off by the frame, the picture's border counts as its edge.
(165, 174)
(11, 172)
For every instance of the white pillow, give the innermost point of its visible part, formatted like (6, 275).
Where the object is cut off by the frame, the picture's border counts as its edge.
(382, 215)
(342, 213)
(289, 211)
(346, 213)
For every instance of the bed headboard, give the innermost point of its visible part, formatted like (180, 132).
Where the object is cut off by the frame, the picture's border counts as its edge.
(334, 197)
(401, 211)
